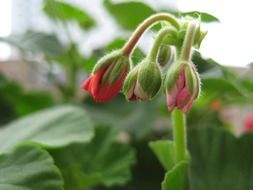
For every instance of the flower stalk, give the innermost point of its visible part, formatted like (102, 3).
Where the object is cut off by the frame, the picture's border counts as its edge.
(158, 41)
(150, 21)
(179, 134)
(188, 41)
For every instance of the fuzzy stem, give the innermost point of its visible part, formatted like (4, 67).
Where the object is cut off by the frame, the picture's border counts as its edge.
(188, 41)
(179, 135)
(131, 43)
(158, 41)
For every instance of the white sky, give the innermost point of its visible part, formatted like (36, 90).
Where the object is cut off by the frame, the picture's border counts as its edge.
(5, 26)
(229, 42)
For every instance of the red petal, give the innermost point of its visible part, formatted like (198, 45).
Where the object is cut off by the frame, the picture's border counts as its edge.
(108, 92)
(248, 126)
(105, 92)
(183, 97)
(86, 83)
(133, 98)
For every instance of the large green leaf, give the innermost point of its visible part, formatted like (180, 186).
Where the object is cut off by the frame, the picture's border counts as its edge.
(165, 151)
(177, 177)
(53, 127)
(220, 160)
(67, 12)
(35, 42)
(29, 168)
(100, 162)
(128, 14)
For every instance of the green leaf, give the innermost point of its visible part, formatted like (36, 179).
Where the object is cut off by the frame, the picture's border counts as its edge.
(220, 160)
(221, 86)
(128, 14)
(205, 17)
(65, 12)
(53, 127)
(165, 151)
(103, 161)
(29, 168)
(177, 177)
(35, 42)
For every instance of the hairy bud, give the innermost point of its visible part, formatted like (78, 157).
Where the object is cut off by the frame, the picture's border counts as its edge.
(107, 76)
(143, 82)
(182, 86)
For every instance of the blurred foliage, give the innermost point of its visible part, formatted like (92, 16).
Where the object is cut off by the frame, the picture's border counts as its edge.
(37, 127)
(90, 157)
(16, 102)
(36, 43)
(102, 161)
(128, 14)
(29, 167)
(219, 160)
(62, 11)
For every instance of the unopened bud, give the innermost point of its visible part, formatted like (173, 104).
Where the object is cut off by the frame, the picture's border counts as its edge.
(107, 76)
(182, 85)
(143, 82)
(165, 55)
(199, 35)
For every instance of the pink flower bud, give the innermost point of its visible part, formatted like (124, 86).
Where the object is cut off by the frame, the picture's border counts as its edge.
(182, 86)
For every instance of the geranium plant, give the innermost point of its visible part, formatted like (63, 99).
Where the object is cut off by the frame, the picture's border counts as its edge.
(143, 81)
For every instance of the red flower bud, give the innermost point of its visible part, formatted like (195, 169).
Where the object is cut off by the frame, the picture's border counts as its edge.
(248, 125)
(182, 85)
(107, 77)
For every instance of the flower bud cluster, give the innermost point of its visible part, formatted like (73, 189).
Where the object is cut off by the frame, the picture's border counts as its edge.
(181, 83)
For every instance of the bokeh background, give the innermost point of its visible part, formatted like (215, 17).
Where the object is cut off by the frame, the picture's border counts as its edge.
(48, 47)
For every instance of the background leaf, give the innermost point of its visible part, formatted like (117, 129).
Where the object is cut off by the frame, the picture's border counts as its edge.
(165, 151)
(205, 17)
(177, 177)
(220, 160)
(137, 118)
(100, 162)
(67, 12)
(29, 168)
(36, 42)
(128, 14)
(21, 101)
(53, 127)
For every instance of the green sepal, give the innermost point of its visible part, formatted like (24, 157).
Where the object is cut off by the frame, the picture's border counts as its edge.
(190, 78)
(121, 65)
(149, 78)
(165, 55)
(199, 36)
(130, 82)
(173, 73)
(109, 58)
(197, 80)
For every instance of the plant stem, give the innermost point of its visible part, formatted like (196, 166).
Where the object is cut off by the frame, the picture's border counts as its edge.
(188, 41)
(179, 135)
(158, 41)
(131, 43)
